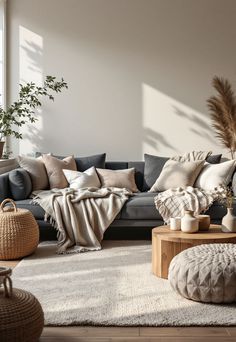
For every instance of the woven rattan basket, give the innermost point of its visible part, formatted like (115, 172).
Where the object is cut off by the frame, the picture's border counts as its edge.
(21, 315)
(19, 232)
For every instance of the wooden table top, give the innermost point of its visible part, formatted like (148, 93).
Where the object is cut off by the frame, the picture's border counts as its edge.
(214, 233)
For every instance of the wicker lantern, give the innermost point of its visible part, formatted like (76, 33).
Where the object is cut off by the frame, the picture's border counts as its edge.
(19, 232)
(21, 315)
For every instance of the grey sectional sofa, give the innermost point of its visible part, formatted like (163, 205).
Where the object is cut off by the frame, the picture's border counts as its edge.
(136, 219)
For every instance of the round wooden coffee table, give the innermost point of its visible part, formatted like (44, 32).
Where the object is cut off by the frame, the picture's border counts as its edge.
(167, 243)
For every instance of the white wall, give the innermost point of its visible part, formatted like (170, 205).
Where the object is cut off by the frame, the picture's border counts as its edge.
(139, 72)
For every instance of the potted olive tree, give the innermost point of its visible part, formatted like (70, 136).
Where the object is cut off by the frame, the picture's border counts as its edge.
(23, 110)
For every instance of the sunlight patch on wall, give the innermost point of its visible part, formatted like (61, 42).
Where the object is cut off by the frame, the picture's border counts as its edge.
(171, 127)
(30, 70)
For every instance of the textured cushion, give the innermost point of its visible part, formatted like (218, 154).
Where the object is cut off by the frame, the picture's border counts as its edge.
(192, 156)
(36, 169)
(54, 167)
(86, 179)
(205, 273)
(118, 178)
(152, 169)
(177, 174)
(214, 175)
(20, 184)
(141, 207)
(214, 159)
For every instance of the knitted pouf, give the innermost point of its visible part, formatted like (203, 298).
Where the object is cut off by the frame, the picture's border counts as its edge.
(21, 315)
(205, 273)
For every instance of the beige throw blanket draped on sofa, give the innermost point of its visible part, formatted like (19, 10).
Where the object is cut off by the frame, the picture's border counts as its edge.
(81, 216)
(173, 202)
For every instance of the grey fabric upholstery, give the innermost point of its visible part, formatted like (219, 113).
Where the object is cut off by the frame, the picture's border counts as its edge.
(140, 207)
(116, 165)
(205, 273)
(84, 163)
(20, 184)
(214, 159)
(217, 211)
(36, 210)
(139, 171)
(5, 190)
(152, 169)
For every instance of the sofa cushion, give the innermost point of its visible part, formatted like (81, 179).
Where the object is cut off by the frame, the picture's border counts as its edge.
(37, 171)
(123, 178)
(214, 159)
(152, 169)
(20, 184)
(35, 209)
(54, 167)
(141, 207)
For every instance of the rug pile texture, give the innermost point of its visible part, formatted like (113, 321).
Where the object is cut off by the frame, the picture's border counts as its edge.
(111, 287)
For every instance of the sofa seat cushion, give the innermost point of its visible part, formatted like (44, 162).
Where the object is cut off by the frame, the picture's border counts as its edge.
(35, 209)
(141, 207)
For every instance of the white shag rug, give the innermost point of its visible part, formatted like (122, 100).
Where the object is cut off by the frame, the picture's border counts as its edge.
(111, 287)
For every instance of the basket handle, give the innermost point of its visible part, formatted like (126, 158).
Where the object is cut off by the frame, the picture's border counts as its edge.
(7, 282)
(8, 200)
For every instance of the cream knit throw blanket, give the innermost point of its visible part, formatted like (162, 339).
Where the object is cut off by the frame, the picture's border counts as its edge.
(173, 202)
(81, 216)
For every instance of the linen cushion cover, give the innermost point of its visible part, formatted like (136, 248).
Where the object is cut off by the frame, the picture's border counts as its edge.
(205, 273)
(118, 178)
(37, 171)
(214, 175)
(54, 167)
(177, 174)
(20, 184)
(79, 180)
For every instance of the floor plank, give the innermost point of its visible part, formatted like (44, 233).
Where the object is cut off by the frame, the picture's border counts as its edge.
(183, 331)
(91, 331)
(231, 331)
(139, 339)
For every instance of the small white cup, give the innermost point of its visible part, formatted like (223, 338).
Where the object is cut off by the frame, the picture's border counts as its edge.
(175, 223)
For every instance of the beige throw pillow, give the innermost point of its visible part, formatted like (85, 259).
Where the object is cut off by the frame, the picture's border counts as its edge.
(54, 169)
(36, 169)
(177, 174)
(118, 178)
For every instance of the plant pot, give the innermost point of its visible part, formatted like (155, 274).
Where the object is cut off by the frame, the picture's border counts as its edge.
(1, 148)
(228, 224)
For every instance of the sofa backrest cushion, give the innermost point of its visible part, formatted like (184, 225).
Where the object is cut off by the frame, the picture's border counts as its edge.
(152, 169)
(214, 159)
(20, 184)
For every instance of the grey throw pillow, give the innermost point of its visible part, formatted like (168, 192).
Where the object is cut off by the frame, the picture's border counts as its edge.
(20, 184)
(152, 169)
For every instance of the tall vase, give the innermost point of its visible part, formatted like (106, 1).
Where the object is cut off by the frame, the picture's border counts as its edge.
(228, 224)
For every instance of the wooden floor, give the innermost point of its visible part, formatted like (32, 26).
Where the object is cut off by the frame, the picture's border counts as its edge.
(141, 334)
(109, 334)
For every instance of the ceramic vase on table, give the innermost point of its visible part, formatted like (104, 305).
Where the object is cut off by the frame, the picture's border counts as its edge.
(228, 224)
(189, 223)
